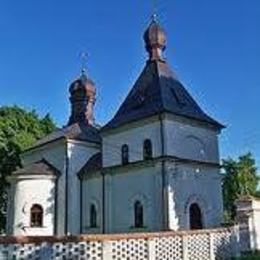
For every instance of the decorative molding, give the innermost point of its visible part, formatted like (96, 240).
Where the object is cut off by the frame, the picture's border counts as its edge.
(196, 198)
(142, 198)
(153, 161)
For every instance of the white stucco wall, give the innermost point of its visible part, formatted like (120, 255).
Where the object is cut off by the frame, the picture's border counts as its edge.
(54, 153)
(186, 182)
(92, 193)
(186, 139)
(191, 183)
(74, 155)
(183, 138)
(79, 153)
(123, 188)
(256, 223)
(31, 190)
(134, 137)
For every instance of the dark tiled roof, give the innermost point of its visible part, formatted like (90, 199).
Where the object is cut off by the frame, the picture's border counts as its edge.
(77, 131)
(38, 168)
(158, 90)
(93, 164)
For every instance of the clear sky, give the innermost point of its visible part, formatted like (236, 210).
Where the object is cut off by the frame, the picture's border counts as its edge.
(213, 46)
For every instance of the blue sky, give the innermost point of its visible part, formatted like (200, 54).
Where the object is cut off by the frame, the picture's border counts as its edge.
(213, 46)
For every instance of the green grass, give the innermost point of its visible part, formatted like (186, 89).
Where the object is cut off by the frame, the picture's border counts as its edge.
(249, 256)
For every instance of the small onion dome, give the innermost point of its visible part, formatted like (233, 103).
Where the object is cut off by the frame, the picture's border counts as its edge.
(82, 99)
(155, 40)
(83, 84)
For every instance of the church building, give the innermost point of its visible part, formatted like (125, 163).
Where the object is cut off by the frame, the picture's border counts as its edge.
(153, 167)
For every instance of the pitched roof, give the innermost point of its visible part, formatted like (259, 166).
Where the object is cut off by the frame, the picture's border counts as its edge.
(41, 167)
(93, 164)
(158, 90)
(77, 131)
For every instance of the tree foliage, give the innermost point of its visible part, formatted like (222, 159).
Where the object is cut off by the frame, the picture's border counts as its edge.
(240, 179)
(19, 129)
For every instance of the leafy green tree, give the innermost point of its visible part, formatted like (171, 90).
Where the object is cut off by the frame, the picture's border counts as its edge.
(257, 194)
(229, 186)
(240, 179)
(19, 129)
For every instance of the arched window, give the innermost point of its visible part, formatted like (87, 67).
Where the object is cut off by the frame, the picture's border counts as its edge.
(138, 214)
(36, 219)
(147, 149)
(93, 216)
(125, 154)
(195, 217)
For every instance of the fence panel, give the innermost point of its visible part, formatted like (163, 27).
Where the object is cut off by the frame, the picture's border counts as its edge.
(188, 245)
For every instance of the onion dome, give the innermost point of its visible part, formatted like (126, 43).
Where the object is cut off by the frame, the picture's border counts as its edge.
(83, 84)
(155, 40)
(82, 98)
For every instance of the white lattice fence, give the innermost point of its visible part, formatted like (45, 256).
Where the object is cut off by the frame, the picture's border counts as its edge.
(224, 244)
(198, 246)
(91, 250)
(168, 248)
(130, 249)
(195, 245)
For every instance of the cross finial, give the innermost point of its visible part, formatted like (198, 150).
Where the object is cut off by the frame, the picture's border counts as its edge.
(154, 10)
(83, 58)
(154, 17)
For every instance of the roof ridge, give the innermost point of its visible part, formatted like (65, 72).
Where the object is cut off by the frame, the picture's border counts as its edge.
(37, 167)
(44, 160)
(158, 75)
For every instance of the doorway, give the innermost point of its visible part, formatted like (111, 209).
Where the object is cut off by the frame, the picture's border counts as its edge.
(195, 217)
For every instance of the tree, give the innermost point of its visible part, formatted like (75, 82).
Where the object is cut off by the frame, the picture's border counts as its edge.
(19, 129)
(240, 179)
(257, 194)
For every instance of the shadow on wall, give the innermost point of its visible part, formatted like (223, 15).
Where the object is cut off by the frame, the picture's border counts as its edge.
(52, 200)
(47, 211)
(181, 202)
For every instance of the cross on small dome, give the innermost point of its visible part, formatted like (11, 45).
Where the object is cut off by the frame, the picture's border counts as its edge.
(82, 97)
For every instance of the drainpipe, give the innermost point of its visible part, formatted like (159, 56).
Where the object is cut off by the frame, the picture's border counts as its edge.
(164, 180)
(103, 202)
(66, 188)
(55, 205)
(80, 203)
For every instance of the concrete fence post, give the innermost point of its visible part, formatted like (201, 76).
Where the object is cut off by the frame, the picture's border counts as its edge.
(4, 252)
(185, 247)
(45, 251)
(151, 249)
(211, 246)
(248, 214)
(236, 240)
(107, 250)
